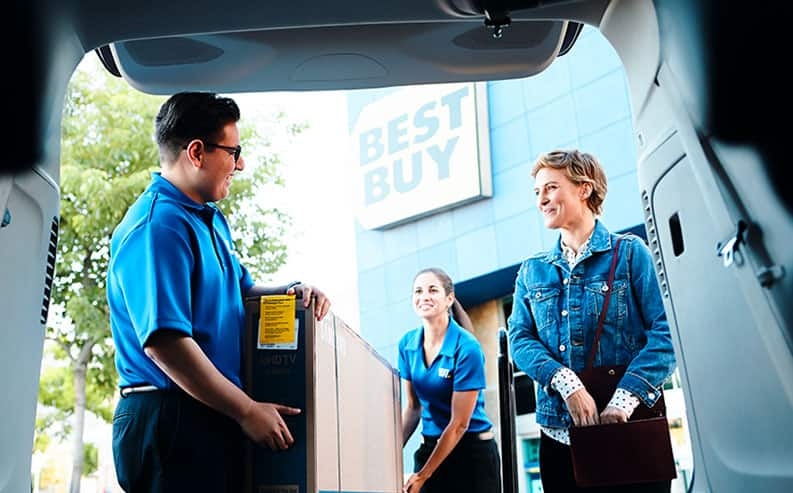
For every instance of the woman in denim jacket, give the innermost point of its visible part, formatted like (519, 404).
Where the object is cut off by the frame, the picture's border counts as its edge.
(558, 299)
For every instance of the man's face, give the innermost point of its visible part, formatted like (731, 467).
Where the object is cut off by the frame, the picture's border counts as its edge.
(218, 166)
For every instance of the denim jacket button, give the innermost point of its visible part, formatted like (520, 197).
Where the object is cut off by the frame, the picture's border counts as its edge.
(605, 288)
(565, 281)
(562, 348)
(650, 395)
(538, 295)
(564, 313)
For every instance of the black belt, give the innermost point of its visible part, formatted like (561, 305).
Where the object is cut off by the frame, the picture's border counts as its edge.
(473, 436)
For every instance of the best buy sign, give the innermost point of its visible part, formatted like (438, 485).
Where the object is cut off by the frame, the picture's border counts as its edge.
(420, 150)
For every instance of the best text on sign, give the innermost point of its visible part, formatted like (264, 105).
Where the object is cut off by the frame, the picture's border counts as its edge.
(419, 150)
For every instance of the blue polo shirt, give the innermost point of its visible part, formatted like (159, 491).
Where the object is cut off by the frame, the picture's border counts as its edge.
(459, 366)
(173, 266)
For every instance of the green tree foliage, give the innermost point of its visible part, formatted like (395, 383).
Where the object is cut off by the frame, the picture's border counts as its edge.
(90, 459)
(41, 440)
(108, 154)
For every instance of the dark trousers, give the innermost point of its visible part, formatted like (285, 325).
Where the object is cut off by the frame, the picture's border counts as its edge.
(556, 473)
(473, 466)
(166, 441)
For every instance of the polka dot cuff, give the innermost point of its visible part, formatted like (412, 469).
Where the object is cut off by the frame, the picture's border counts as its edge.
(565, 381)
(625, 401)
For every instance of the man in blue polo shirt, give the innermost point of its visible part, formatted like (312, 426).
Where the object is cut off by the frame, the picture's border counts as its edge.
(175, 290)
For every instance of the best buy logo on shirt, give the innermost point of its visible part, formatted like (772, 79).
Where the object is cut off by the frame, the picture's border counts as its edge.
(444, 372)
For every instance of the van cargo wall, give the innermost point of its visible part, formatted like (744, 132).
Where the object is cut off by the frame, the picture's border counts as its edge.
(29, 205)
(731, 338)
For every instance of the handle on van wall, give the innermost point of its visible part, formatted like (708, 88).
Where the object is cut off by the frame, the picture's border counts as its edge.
(728, 248)
(677, 234)
(767, 275)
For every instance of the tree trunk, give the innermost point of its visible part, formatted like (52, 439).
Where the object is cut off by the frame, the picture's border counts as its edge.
(80, 369)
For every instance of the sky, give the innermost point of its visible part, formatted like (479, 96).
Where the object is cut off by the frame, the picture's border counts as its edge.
(318, 194)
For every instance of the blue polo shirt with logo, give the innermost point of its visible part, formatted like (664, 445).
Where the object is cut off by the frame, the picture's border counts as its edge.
(173, 266)
(459, 366)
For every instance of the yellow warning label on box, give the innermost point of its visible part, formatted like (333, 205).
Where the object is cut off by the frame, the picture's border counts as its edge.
(277, 323)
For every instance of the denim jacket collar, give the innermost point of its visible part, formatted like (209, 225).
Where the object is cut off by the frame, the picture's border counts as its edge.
(600, 241)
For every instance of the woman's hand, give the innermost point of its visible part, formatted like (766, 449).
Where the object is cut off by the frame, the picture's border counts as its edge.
(613, 415)
(414, 483)
(582, 408)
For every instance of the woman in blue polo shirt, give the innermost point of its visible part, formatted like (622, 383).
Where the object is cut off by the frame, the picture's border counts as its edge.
(443, 367)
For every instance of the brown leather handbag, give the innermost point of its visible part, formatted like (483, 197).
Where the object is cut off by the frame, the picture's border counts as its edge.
(638, 451)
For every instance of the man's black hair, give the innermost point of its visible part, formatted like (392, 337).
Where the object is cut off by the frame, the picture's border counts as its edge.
(192, 115)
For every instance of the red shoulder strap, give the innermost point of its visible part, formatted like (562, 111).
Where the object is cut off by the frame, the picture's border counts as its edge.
(605, 309)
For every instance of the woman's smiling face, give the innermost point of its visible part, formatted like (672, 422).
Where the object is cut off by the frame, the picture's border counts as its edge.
(561, 202)
(429, 296)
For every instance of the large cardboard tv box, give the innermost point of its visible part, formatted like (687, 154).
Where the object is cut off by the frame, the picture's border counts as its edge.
(348, 437)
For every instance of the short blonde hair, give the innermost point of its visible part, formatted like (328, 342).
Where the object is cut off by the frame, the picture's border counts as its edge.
(580, 168)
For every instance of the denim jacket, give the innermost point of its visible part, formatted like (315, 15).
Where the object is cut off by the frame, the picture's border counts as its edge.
(555, 314)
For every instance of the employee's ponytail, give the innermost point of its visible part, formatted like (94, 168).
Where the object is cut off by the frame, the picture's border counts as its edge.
(461, 317)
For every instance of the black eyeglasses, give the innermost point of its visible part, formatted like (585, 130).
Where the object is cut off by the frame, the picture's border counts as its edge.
(233, 151)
